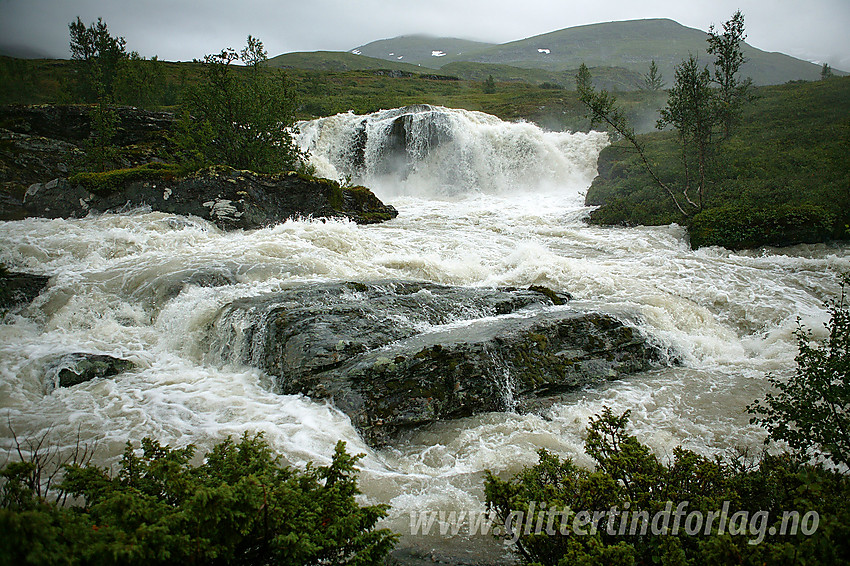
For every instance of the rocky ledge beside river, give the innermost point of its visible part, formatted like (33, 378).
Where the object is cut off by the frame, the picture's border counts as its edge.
(42, 146)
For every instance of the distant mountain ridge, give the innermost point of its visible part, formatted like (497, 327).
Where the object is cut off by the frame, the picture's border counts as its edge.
(424, 50)
(630, 44)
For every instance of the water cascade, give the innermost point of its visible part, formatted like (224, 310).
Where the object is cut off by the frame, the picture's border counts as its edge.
(483, 203)
(433, 151)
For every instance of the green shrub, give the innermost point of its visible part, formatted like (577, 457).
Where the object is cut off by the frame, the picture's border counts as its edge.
(239, 117)
(737, 227)
(240, 506)
(548, 509)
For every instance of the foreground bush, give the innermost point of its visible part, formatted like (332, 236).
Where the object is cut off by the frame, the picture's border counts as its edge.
(240, 506)
(635, 509)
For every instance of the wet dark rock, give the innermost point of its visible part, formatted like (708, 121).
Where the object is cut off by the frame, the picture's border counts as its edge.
(68, 370)
(413, 132)
(171, 284)
(229, 198)
(398, 355)
(19, 288)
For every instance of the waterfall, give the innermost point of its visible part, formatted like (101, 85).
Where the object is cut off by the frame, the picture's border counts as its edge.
(427, 150)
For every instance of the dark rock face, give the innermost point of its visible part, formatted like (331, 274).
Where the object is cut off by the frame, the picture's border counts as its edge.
(19, 288)
(229, 198)
(70, 369)
(412, 133)
(73, 123)
(398, 355)
(44, 142)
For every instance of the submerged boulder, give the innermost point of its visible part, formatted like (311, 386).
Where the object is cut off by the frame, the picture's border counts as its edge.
(68, 370)
(229, 198)
(397, 355)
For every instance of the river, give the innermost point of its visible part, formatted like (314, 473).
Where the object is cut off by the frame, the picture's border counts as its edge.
(481, 203)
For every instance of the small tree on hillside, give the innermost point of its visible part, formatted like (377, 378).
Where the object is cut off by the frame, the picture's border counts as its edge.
(490, 85)
(693, 108)
(652, 81)
(100, 149)
(603, 109)
(825, 72)
(728, 58)
(691, 113)
(99, 56)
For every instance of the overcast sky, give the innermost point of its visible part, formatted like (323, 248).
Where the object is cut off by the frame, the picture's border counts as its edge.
(179, 30)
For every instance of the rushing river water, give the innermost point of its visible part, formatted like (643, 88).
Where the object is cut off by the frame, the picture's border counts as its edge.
(481, 203)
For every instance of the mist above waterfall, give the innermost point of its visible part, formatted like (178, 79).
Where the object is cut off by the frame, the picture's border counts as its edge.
(431, 151)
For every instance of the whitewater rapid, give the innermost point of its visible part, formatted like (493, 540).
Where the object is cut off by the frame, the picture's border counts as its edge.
(727, 317)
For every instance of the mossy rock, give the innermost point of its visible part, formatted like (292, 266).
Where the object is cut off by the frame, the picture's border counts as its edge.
(113, 181)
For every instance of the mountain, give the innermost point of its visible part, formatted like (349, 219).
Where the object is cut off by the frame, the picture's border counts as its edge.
(629, 44)
(422, 50)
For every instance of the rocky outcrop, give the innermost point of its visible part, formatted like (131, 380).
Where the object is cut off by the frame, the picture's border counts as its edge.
(229, 198)
(398, 355)
(72, 123)
(19, 288)
(44, 142)
(40, 146)
(68, 370)
(412, 132)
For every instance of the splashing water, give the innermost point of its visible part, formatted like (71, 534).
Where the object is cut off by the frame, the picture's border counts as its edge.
(482, 203)
(434, 151)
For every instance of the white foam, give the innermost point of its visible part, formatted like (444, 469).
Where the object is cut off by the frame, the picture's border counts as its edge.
(117, 287)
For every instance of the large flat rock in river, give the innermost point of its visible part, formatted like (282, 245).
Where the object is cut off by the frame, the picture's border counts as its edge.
(398, 355)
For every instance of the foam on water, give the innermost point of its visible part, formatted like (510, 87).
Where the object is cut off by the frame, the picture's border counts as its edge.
(123, 285)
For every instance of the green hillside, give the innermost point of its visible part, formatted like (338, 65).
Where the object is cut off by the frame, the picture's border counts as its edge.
(422, 50)
(781, 179)
(630, 45)
(610, 78)
(338, 61)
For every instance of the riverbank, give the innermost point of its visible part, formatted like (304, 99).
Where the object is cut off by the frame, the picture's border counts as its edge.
(781, 180)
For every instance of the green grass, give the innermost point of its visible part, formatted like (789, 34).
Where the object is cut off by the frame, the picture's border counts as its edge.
(784, 170)
(338, 61)
(327, 92)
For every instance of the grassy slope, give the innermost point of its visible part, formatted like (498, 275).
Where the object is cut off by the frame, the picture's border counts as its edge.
(323, 93)
(610, 78)
(632, 45)
(786, 165)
